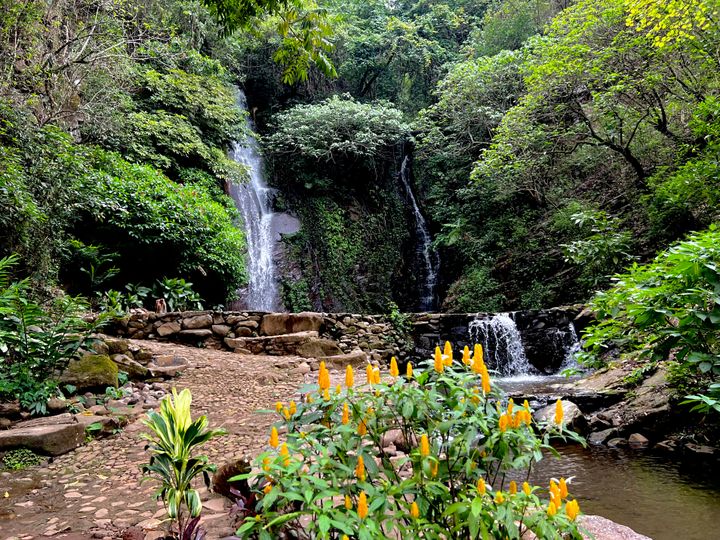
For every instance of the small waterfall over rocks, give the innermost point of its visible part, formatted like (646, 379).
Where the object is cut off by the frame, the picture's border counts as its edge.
(502, 344)
(254, 201)
(506, 352)
(425, 252)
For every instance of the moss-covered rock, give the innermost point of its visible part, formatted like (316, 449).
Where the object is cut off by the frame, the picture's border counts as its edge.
(91, 371)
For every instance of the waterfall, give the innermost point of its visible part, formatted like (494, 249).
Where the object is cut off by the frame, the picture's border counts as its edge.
(502, 344)
(254, 201)
(425, 251)
(571, 345)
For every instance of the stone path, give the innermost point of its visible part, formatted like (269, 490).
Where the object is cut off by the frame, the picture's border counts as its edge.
(94, 491)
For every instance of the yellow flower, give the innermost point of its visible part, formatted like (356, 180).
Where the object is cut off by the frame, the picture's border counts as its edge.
(348, 503)
(267, 489)
(323, 377)
(513, 487)
(551, 509)
(481, 487)
(559, 413)
(503, 423)
(434, 469)
(511, 406)
(274, 439)
(349, 376)
(360, 469)
(362, 428)
(285, 453)
(499, 498)
(527, 490)
(526, 405)
(485, 380)
(266, 464)
(466, 355)
(394, 371)
(326, 394)
(338, 389)
(409, 370)
(572, 509)
(414, 510)
(448, 354)
(439, 366)
(369, 373)
(478, 359)
(424, 445)
(345, 414)
(293, 408)
(286, 413)
(279, 407)
(362, 508)
(376, 375)
(563, 489)
(345, 537)
(309, 398)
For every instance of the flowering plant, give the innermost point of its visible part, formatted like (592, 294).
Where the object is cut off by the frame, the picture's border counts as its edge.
(429, 455)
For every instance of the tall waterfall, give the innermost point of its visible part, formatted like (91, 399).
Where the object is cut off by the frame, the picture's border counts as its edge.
(425, 251)
(502, 344)
(254, 200)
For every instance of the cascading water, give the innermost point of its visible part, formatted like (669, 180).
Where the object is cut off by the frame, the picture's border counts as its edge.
(253, 199)
(502, 344)
(425, 252)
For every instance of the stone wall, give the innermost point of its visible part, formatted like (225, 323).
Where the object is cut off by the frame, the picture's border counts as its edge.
(544, 332)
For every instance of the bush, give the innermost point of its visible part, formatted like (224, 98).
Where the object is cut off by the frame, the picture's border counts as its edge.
(35, 343)
(667, 308)
(333, 474)
(21, 458)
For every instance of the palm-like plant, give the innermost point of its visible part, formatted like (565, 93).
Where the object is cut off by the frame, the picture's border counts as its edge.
(173, 440)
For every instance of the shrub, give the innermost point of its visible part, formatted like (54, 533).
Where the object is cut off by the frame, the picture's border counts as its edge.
(20, 458)
(333, 474)
(669, 307)
(36, 342)
(173, 440)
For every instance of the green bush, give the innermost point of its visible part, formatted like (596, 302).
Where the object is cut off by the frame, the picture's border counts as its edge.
(36, 342)
(666, 309)
(21, 458)
(332, 477)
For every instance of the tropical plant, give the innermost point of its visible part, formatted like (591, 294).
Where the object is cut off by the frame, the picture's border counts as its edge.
(466, 450)
(173, 440)
(667, 309)
(35, 342)
(178, 294)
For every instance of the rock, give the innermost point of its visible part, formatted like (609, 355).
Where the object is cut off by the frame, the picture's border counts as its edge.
(130, 366)
(58, 419)
(133, 533)
(107, 423)
(169, 367)
(243, 331)
(196, 333)
(168, 329)
(100, 347)
(276, 324)
(356, 358)
(599, 437)
(396, 438)
(601, 528)
(49, 439)
(117, 345)
(98, 410)
(56, 404)
(617, 442)
(636, 440)
(10, 408)
(572, 415)
(143, 356)
(253, 325)
(199, 321)
(701, 449)
(316, 348)
(221, 330)
(216, 505)
(91, 371)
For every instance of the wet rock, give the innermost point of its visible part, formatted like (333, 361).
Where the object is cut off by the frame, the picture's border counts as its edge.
(601, 528)
(572, 415)
(636, 440)
(49, 439)
(599, 437)
(91, 371)
(617, 442)
(701, 449)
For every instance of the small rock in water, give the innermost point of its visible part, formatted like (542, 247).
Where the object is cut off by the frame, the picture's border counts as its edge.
(637, 440)
(617, 442)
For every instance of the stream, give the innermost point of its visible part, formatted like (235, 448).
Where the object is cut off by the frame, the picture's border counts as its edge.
(664, 495)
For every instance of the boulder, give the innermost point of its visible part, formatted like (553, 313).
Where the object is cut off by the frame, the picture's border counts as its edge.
(134, 369)
(117, 345)
(10, 408)
(167, 366)
(276, 324)
(168, 329)
(282, 345)
(91, 371)
(221, 330)
(221, 483)
(636, 440)
(572, 415)
(317, 348)
(599, 437)
(601, 528)
(49, 439)
(357, 359)
(199, 333)
(199, 321)
(107, 423)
